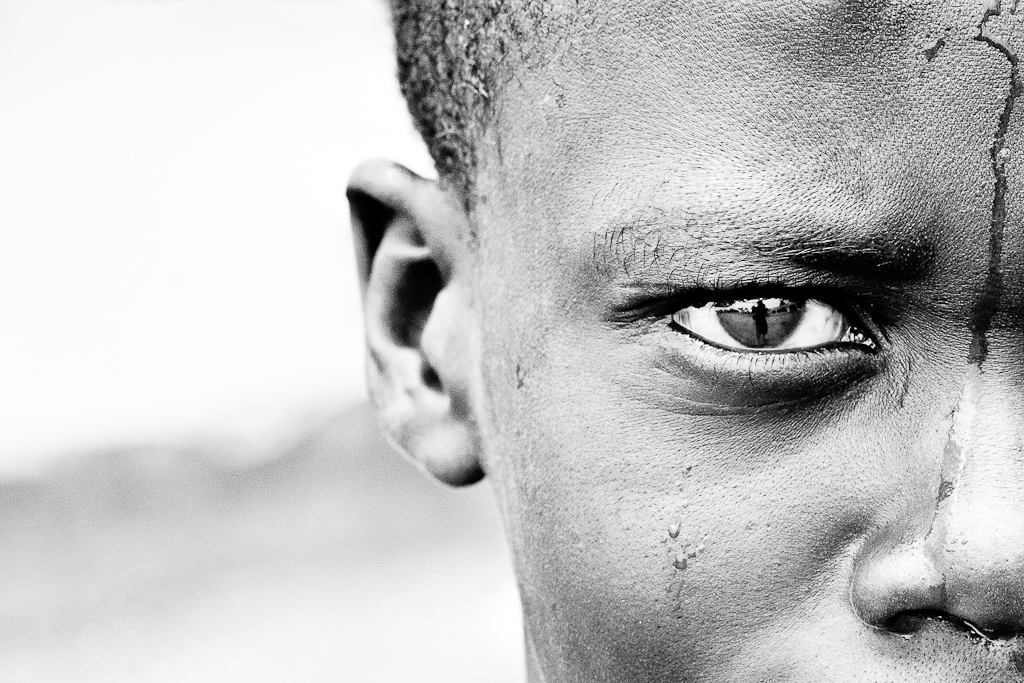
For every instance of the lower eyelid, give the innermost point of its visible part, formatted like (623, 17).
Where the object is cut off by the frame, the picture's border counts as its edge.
(704, 373)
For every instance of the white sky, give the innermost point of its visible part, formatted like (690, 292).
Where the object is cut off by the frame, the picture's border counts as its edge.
(174, 249)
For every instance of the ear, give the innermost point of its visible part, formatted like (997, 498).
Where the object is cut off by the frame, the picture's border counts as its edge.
(411, 246)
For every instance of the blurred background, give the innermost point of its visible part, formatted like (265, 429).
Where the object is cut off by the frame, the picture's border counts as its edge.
(191, 484)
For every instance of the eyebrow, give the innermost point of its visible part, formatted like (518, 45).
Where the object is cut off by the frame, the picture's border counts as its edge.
(899, 257)
(892, 247)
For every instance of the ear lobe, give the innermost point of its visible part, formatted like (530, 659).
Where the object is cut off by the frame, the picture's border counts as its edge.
(408, 241)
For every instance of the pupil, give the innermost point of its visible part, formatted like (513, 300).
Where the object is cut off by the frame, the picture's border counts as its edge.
(760, 325)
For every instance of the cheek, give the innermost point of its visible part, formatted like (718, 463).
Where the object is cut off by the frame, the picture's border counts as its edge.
(640, 528)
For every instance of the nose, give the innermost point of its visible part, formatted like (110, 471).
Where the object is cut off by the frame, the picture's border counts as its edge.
(983, 551)
(959, 556)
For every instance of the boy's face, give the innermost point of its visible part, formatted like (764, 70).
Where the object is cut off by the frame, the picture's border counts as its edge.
(749, 364)
(681, 510)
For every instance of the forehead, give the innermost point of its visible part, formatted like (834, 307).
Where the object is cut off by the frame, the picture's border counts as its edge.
(854, 109)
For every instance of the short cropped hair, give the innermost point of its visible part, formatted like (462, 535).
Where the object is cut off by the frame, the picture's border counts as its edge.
(449, 57)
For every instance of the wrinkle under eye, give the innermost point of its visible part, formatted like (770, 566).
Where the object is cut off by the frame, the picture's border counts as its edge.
(768, 325)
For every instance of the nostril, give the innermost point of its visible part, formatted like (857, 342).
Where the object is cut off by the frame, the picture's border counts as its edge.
(906, 623)
(910, 622)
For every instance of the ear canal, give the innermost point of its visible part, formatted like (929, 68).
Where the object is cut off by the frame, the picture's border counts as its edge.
(415, 297)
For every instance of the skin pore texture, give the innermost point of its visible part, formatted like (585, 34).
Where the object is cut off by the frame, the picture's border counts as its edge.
(682, 511)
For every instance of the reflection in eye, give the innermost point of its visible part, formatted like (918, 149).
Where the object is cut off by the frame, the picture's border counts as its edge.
(769, 324)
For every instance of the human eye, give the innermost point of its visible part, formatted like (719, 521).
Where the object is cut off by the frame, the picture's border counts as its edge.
(771, 325)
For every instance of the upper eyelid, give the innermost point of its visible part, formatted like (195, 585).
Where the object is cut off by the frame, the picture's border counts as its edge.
(754, 292)
(651, 295)
(853, 311)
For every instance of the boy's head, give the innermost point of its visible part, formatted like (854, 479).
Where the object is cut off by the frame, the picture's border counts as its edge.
(725, 299)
